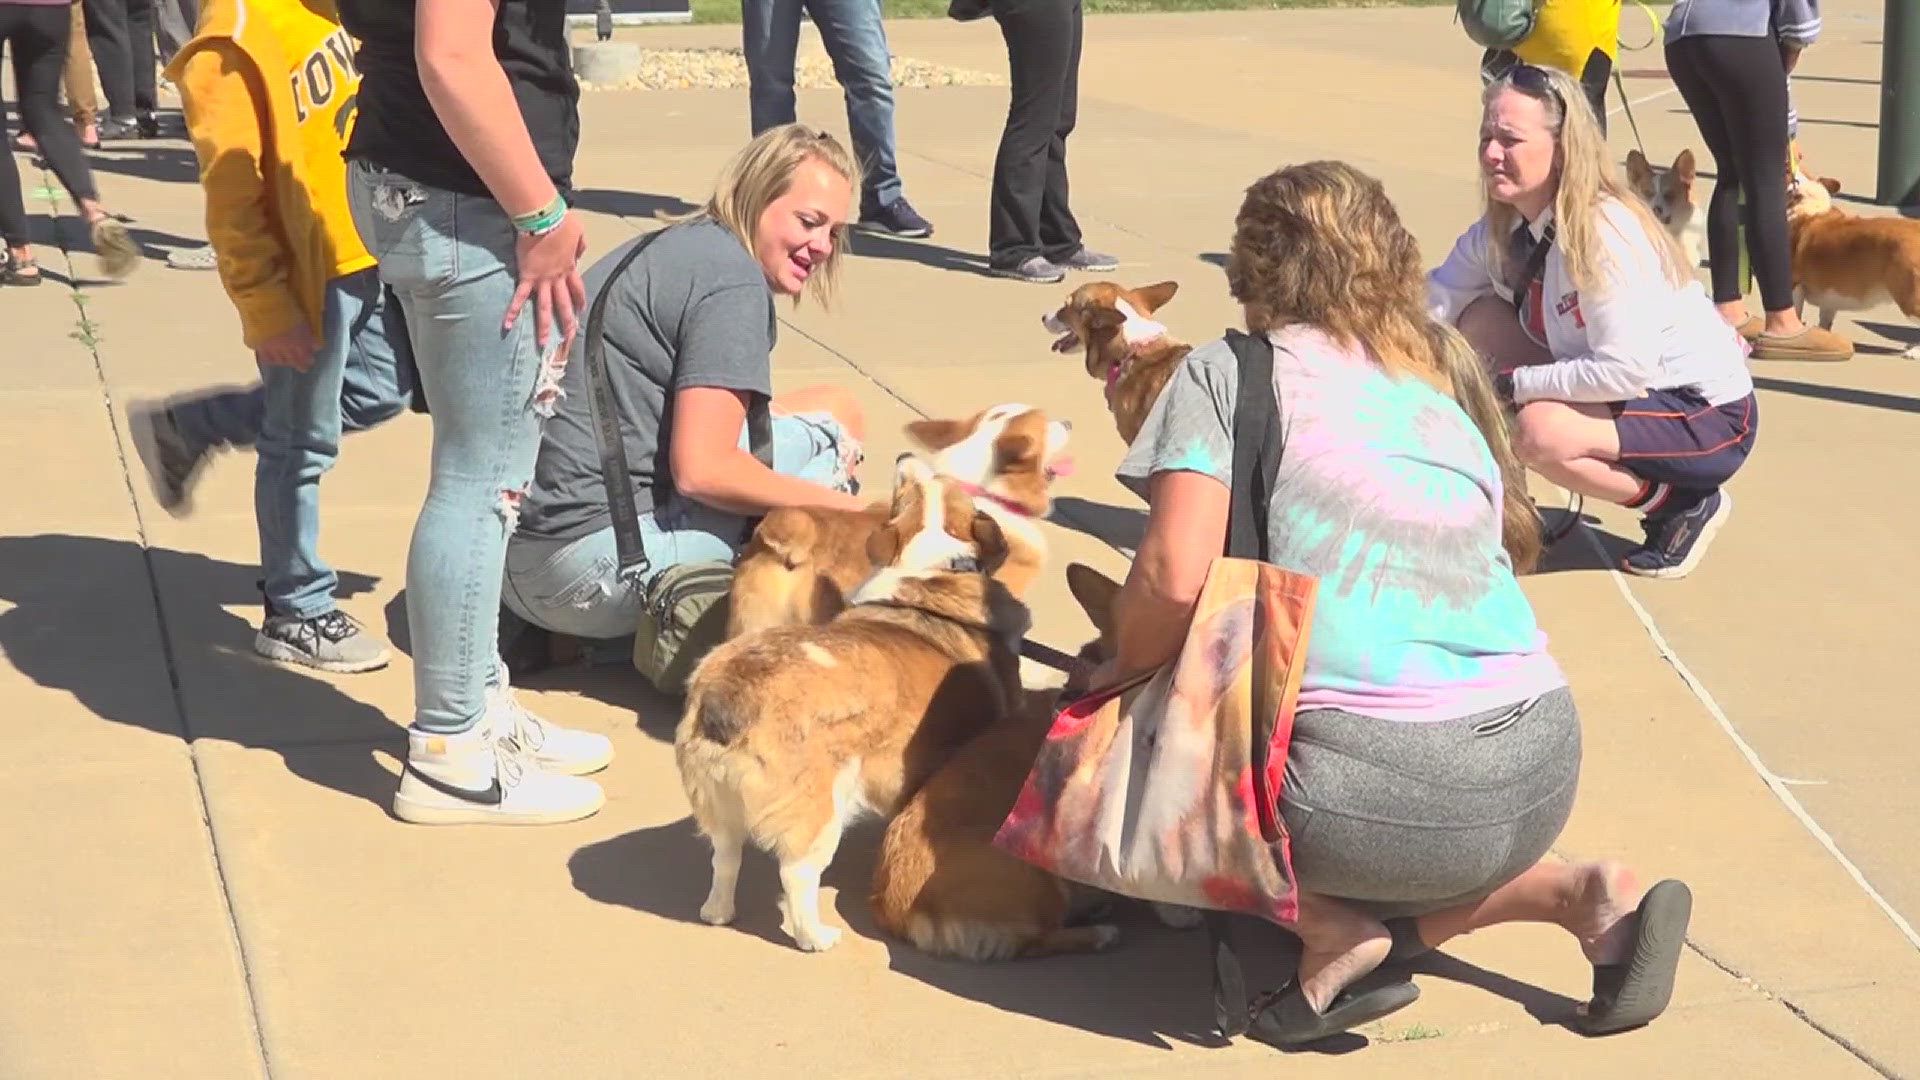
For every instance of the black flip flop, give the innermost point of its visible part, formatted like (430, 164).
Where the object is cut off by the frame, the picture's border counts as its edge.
(1290, 1022)
(1630, 994)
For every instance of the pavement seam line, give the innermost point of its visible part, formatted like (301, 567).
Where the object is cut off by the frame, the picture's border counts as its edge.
(1773, 781)
(89, 340)
(1799, 1012)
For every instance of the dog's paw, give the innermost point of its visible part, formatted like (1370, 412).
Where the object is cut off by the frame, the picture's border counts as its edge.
(717, 911)
(1105, 936)
(1178, 916)
(817, 939)
(1912, 353)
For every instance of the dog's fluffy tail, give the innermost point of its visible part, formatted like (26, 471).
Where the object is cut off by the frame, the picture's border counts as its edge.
(713, 773)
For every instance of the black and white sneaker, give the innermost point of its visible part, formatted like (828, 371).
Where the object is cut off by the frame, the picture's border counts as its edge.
(897, 218)
(172, 463)
(331, 642)
(1677, 540)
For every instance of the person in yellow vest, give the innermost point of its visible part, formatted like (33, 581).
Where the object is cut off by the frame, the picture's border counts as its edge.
(269, 88)
(1579, 37)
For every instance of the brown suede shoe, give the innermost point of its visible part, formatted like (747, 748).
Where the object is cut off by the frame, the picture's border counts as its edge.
(1812, 343)
(1752, 328)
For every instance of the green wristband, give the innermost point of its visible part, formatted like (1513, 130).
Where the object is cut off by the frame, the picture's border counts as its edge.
(544, 220)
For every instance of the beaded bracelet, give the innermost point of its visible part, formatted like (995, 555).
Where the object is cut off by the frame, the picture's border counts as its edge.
(544, 220)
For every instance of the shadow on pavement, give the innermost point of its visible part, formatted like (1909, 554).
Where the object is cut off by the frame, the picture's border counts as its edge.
(74, 605)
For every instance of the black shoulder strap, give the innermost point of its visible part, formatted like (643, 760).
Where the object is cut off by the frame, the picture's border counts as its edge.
(1257, 446)
(1536, 261)
(614, 472)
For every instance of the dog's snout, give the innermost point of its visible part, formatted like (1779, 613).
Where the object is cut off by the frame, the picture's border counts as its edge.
(1066, 425)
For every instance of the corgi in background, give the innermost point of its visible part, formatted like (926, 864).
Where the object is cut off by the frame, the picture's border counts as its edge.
(1846, 262)
(1670, 191)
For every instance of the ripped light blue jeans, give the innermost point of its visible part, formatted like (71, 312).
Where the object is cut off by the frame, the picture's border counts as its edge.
(449, 258)
(572, 586)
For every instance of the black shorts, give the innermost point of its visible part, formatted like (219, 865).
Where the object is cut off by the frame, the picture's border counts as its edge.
(1675, 437)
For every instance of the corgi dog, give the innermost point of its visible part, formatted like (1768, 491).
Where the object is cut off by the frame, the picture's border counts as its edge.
(940, 882)
(792, 733)
(1122, 346)
(801, 562)
(1670, 192)
(1846, 262)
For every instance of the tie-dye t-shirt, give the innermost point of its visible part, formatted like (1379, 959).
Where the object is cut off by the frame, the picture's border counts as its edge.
(1387, 493)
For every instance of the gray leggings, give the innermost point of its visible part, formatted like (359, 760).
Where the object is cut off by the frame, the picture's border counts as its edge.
(1406, 818)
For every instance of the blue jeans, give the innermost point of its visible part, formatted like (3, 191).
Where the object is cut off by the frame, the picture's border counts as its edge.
(449, 258)
(572, 586)
(857, 43)
(294, 420)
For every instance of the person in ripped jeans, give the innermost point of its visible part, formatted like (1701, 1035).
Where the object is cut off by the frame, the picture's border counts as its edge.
(689, 335)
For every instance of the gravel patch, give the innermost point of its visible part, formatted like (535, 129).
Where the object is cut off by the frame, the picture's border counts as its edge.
(726, 69)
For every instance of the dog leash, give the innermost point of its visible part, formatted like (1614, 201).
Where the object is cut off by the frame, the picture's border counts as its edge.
(1048, 656)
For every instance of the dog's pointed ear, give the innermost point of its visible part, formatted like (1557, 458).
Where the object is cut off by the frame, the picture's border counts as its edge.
(989, 541)
(1684, 167)
(938, 434)
(1638, 169)
(1096, 593)
(1832, 185)
(1155, 296)
(883, 545)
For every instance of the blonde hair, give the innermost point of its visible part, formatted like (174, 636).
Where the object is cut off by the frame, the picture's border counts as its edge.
(1322, 244)
(762, 171)
(1587, 177)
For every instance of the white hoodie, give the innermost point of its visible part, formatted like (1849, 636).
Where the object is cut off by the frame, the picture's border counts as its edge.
(1635, 332)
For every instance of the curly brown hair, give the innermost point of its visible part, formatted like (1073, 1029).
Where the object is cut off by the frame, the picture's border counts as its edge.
(1321, 244)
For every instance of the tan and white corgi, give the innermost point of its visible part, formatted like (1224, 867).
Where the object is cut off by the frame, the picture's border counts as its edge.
(940, 882)
(791, 733)
(1121, 344)
(1670, 192)
(801, 562)
(1846, 262)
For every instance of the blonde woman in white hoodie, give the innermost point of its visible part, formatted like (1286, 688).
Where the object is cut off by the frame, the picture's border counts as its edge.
(1626, 383)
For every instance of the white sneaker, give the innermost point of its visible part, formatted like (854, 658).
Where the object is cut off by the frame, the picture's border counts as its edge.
(484, 777)
(548, 745)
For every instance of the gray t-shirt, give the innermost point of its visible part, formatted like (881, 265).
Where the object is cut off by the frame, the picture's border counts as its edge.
(692, 310)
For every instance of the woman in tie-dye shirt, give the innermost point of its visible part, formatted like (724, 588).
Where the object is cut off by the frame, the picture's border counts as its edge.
(1436, 748)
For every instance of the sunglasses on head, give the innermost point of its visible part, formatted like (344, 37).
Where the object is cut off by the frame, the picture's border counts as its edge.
(1534, 80)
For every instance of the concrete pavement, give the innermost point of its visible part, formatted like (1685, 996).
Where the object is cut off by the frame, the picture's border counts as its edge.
(204, 882)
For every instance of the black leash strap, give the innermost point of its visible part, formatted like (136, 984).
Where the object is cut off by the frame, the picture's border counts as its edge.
(1257, 444)
(614, 472)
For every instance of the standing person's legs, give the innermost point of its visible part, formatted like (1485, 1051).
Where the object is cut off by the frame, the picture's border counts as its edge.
(107, 36)
(40, 55)
(474, 755)
(13, 206)
(82, 102)
(856, 41)
(299, 442)
(1040, 37)
(173, 22)
(770, 37)
(1686, 64)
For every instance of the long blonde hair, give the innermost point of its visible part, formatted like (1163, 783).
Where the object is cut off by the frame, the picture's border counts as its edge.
(762, 171)
(1322, 244)
(1587, 177)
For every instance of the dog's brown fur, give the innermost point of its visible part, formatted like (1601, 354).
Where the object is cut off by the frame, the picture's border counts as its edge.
(1844, 262)
(942, 884)
(792, 732)
(802, 562)
(1133, 372)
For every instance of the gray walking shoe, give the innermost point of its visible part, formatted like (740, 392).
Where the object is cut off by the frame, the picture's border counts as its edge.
(1036, 270)
(331, 642)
